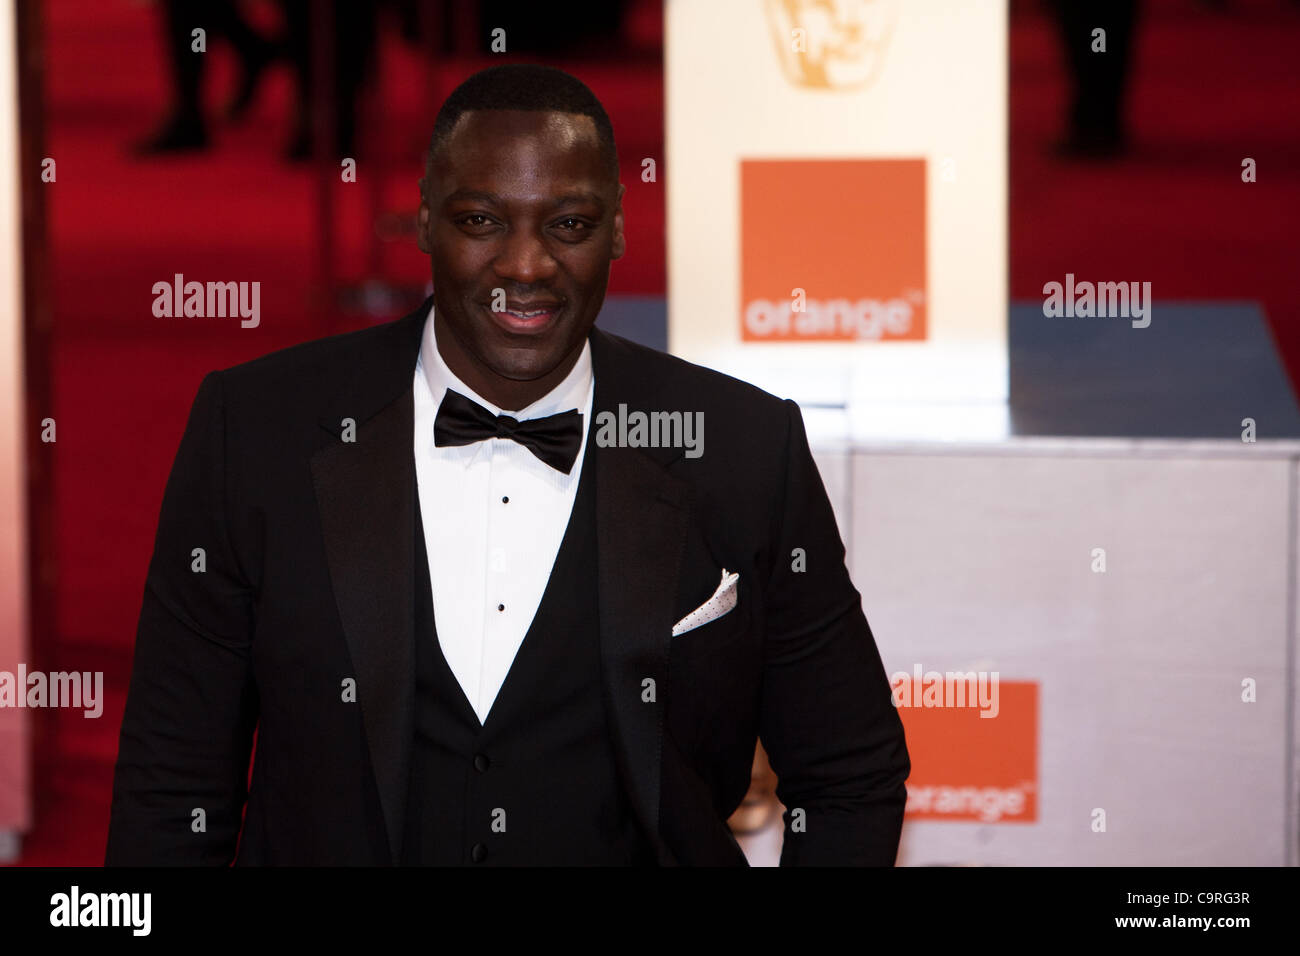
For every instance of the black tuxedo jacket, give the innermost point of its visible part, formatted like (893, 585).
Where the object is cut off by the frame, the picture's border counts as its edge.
(304, 587)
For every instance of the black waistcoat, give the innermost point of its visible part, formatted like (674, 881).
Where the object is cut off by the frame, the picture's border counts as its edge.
(537, 784)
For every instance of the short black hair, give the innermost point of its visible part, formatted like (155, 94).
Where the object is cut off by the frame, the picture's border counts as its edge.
(523, 86)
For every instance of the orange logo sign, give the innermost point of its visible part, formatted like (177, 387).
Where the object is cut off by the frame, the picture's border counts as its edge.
(965, 768)
(832, 250)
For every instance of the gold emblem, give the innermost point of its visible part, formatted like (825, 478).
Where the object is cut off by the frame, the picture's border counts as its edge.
(832, 44)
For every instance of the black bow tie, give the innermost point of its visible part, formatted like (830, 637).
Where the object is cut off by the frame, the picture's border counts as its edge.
(555, 439)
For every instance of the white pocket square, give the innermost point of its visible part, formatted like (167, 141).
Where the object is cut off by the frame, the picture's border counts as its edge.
(723, 600)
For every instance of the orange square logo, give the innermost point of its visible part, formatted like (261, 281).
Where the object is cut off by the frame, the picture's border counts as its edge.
(965, 766)
(832, 250)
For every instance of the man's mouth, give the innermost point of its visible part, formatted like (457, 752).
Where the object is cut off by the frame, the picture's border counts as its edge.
(526, 318)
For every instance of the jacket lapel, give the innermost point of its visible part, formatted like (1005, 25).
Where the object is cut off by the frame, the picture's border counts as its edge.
(365, 493)
(641, 524)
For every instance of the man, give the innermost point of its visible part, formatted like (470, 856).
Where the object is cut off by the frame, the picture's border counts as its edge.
(470, 621)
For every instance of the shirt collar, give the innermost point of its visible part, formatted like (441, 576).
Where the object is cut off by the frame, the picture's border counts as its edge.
(573, 392)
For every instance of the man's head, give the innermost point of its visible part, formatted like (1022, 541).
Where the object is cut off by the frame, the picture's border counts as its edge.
(521, 195)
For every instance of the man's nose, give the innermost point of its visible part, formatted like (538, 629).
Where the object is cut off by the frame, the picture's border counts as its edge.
(524, 258)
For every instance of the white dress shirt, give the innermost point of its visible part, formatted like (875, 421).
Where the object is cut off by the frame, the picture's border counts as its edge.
(494, 517)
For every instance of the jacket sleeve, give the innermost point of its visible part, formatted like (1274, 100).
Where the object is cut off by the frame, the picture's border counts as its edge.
(182, 766)
(828, 723)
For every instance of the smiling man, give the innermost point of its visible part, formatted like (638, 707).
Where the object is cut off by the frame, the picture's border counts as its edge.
(465, 630)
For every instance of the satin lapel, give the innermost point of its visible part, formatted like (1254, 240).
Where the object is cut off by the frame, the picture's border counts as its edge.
(365, 494)
(641, 523)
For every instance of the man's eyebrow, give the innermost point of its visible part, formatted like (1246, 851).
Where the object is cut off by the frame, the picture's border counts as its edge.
(471, 195)
(579, 196)
(566, 199)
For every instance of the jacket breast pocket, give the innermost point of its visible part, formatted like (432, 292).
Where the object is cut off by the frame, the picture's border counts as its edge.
(715, 671)
(721, 635)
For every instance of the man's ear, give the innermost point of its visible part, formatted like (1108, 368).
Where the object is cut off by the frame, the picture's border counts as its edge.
(423, 220)
(619, 244)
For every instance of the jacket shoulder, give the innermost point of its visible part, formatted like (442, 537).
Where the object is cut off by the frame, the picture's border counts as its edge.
(323, 357)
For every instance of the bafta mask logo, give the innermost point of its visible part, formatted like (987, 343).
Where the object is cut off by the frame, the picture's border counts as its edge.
(832, 44)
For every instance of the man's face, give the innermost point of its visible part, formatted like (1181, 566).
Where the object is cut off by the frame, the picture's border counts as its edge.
(521, 202)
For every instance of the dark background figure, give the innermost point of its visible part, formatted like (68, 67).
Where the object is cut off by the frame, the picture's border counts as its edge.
(330, 45)
(348, 43)
(185, 127)
(533, 28)
(1096, 126)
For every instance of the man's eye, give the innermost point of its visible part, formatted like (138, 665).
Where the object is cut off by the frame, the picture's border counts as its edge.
(474, 219)
(571, 224)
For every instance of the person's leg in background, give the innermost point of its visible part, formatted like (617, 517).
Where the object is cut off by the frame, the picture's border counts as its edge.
(184, 127)
(1099, 79)
(352, 47)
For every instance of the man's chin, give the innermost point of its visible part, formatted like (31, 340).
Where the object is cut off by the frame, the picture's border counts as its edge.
(510, 367)
(526, 359)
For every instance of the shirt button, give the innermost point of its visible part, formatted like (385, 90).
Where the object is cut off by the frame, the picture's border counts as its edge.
(479, 853)
(505, 499)
(501, 607)
(481, 763)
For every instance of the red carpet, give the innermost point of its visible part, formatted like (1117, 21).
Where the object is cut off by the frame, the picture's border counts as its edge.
(1210, 89)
